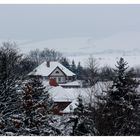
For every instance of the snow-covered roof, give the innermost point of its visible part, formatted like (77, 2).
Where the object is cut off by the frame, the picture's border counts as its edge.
(60, 94)
(43, 70)
(74, 83)
(71, 107)
(86, 94)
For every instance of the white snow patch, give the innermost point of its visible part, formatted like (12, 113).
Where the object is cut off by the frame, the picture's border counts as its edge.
(74, 83)
(60, 94)
(70, 108)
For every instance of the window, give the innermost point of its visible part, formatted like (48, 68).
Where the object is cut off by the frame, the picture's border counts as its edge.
(59, 79)
(57, 72)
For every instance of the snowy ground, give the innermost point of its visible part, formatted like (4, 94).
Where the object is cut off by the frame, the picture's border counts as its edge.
(107, 50)
(108, 60)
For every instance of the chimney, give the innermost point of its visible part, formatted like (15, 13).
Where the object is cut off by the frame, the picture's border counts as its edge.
(48, 64)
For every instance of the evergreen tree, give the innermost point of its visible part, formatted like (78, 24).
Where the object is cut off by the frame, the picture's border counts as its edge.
(79, 71)
(106, 74)
(73, 67)
(64, 61)
(118, 112)
(81, 120)
(9, 97)
(26, 66)
(36, 107)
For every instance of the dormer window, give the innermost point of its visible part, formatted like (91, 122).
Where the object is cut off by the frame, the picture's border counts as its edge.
(57, 72)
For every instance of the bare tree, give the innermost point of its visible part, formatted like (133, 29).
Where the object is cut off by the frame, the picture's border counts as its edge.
(50, 55)
(35, 56)
(92, 68)
(44, 55)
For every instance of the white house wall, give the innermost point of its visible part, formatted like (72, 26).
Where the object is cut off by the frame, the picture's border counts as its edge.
(58, 75)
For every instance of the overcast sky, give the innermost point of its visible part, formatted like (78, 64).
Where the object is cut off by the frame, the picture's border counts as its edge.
(42, 22)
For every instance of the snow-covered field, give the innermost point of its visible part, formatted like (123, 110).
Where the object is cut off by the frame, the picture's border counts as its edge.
(108, 59)
(107, 50)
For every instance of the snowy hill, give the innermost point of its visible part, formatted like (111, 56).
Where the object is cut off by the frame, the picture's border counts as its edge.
(106, 50)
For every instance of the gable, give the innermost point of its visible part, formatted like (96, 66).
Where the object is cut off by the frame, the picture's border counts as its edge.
(57, 72)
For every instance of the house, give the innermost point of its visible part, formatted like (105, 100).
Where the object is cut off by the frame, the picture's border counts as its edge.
(57, 79)
(61, 99)
(53, 70)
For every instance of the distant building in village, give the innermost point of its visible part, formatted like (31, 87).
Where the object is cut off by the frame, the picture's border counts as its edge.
(52, 70)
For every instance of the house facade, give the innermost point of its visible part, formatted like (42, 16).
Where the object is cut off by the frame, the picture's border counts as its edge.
(60, 76)
(53, 70)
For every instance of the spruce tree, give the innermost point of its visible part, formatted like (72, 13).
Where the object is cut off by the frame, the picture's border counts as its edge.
(64, 61)
(73, 67)
(81, 119)
(9, 97)
(79, 71)
(118, 111)
(36, 108)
